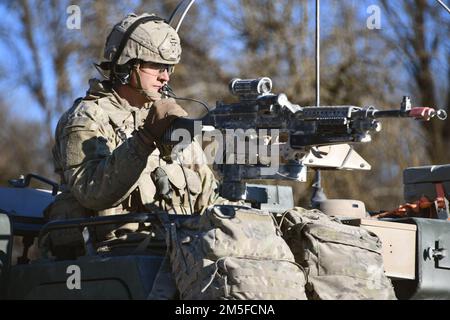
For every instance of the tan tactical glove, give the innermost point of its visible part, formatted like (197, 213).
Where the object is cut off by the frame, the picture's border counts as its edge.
(161, 115)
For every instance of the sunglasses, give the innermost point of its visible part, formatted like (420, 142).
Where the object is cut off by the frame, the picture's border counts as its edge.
(158, 66)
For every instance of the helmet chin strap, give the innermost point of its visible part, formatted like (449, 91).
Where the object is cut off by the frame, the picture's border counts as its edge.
(151, 96)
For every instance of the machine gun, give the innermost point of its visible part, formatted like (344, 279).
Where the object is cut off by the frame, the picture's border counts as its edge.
(310, 136)
(308, 126)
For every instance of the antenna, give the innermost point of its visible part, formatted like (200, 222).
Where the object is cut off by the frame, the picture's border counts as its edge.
(443, 4)
(318, 53)
(178, 15)
(318, 194)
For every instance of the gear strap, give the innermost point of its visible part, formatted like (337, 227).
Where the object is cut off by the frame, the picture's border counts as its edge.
(441, 202)
(164, 286)
(424, 207)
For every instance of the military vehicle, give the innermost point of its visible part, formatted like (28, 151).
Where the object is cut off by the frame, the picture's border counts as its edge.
(415, 249)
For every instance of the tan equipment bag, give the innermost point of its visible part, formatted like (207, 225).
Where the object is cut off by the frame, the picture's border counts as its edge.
(343, 262)
(233, 252)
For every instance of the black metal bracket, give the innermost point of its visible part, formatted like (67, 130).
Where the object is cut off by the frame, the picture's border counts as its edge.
(24, 182)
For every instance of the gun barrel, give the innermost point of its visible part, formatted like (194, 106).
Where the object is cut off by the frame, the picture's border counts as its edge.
(390, 114)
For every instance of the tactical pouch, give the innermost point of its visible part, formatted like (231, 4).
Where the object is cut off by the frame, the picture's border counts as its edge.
(233, 252)
(343, 262)
(172, 184)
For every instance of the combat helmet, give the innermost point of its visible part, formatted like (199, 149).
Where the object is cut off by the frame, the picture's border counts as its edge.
(145, 37)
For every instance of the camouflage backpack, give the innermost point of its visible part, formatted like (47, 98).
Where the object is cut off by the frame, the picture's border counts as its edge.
(233, 252)
(342, 262)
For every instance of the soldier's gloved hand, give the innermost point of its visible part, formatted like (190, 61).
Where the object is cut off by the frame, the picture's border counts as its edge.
(162, 113)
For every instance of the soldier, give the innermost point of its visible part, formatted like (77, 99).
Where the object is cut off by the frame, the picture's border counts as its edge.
(110, 160)
(107, 149)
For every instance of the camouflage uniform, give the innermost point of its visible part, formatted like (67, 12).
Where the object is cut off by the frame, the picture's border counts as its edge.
(103, 152)
(105, 169)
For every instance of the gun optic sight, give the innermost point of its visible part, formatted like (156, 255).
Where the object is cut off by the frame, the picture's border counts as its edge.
(250, 87)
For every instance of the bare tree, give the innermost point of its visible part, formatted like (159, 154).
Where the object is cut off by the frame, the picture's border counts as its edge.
(362, 78)
(419, 34)
(253, 38)
(275, 39)
(47, 58)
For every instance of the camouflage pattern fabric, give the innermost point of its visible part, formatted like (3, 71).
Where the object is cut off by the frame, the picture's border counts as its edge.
(151, 41)
(106, 170)
(233, 252)
(343, 262)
